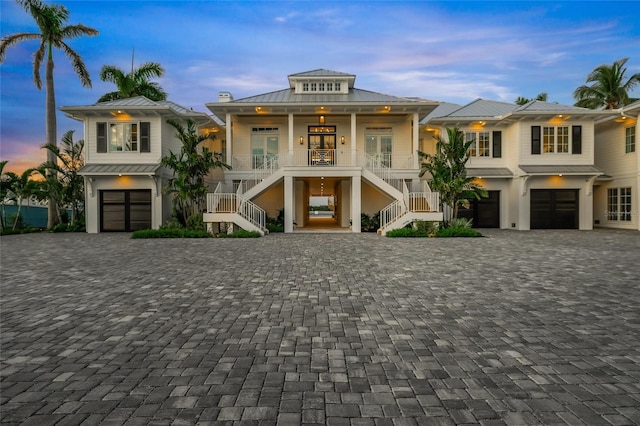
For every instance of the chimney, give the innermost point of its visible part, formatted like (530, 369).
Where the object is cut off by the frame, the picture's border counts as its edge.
(225, 97)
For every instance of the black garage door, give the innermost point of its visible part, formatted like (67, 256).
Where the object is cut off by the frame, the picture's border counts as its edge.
(125, 210)
(485, 213)
(554, 208)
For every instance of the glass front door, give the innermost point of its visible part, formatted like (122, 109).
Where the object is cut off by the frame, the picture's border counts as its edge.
(322, 150)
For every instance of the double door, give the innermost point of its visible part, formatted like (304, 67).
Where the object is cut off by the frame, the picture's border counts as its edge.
(322, 150)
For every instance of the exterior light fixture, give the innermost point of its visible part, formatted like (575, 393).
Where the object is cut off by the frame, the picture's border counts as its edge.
(321, 119)
(301, 140)
(560, 174)
(342, 140)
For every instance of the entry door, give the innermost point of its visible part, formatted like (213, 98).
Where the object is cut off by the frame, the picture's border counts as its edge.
(322, 150)
(379, 147)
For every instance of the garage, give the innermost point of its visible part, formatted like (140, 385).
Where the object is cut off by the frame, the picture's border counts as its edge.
(125, 211)
(554, 208)
(485, 212)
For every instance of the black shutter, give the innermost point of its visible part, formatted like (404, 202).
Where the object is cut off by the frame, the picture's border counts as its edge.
(497, 144)
(145, 137)
(576, 139)
(535, 140)
(101, 139)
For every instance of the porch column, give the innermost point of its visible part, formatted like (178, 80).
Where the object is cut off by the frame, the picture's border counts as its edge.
(415, 128)
(228, 142)
(356, 200)
(288, 204)
(290, 160)
(354, 152)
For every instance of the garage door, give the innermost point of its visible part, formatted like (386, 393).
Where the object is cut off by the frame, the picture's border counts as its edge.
(125, 211)
(554, 208)
(485, 213)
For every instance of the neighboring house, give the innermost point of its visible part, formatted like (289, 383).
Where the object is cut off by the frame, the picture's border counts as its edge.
(617, 192)
(124, 142)
(321, 140)
(535, 160)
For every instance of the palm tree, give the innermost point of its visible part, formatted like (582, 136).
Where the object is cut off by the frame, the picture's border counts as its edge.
(135, 83)
(608, 89)
(21, 187)
(520, 100)
(68, 183)
(51, 20)
(448, 171)
(190, 167)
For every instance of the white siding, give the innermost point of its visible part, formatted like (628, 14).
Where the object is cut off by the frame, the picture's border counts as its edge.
(586, 158)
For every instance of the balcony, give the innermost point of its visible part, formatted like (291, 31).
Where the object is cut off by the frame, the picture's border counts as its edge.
(340, 157)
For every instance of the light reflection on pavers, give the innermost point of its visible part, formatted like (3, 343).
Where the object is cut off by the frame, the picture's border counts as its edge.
(539, 327)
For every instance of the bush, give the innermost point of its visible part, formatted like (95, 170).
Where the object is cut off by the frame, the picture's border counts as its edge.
(276, 224)
(195, 223)
(407, 233)
(172, 223)
(460, 222)
(240, 233)
(170, 233)
(457, 232)
(429, 227)
(369, 223)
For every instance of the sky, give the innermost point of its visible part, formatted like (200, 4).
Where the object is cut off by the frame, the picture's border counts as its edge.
(449, 51)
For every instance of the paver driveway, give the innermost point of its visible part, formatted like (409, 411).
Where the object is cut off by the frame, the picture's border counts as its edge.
(519, 328)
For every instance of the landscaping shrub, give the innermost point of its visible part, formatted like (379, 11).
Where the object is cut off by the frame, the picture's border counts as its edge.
(240, 233)
(407, 232)
(457, 232)
(369, 223)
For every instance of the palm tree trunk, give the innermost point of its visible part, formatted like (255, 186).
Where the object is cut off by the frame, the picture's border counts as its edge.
(51, 134)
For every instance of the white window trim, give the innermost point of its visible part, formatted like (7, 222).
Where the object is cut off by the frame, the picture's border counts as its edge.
(475, 134)
(109, 144)
(555, 140)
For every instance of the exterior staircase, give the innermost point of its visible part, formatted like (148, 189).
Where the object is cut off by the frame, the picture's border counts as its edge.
(233, 207)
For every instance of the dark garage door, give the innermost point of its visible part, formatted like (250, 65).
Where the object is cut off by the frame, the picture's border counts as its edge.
(554, 208)
(125, 210)
(485, 212)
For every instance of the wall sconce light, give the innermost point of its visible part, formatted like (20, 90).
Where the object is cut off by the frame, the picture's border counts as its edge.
(321, 119)
(301, 140)
(342, 140)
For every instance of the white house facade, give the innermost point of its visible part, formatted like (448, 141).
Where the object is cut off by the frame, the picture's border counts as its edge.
(321, 137)
(535, 160)
(124, 143)
(617, 191)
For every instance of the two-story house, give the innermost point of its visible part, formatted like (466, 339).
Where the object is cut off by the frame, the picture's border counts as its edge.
(616, 193)
(124, 142)
(321, 140)
(535, 160)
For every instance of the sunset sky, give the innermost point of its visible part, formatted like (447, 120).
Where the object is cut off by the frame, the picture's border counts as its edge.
(445, 51)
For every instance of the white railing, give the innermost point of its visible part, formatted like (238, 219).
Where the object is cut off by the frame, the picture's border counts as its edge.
(391, 213)
(424, 201)
(376, 165)
(234, 203)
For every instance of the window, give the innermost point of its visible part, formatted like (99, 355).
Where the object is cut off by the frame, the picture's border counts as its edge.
(321, 87)
(314, 87)
(555, 139)
(305, 87)
(630, 139)
(329, 87)
(264, 145)
(619, 204)
(480, 145)
(378, 144)
(123, 137)
(337, 87)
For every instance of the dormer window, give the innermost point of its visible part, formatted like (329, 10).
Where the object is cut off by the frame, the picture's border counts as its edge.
(305, 87)
(314, 87)
(329, 87)
(337, 85)
(319, 87)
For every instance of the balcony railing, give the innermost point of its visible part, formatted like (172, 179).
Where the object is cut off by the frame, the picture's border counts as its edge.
(340, 157)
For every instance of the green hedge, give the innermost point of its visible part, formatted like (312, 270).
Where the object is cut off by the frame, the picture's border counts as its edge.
(457, 232)
(240, 233)
(170, 233)
(407, 233)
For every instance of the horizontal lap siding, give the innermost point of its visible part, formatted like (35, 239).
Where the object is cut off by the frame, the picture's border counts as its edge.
(94, 157)
(586, 158)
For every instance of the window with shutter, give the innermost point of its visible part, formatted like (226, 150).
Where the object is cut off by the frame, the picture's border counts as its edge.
(535, 140)
(145, 137)
(101, 138)
(497, 144)
(576, 139)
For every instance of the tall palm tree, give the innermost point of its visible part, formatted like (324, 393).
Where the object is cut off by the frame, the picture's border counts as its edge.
(51, 20)
(608, 90)
(521, 100)
(135, 83)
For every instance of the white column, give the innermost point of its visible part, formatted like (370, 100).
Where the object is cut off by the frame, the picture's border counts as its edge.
(416, 139)
(291, 138)
(354, 152)
(228, 128)
(288, 204)
(356, 199)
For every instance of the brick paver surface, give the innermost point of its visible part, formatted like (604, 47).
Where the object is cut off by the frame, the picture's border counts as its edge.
(538, 327)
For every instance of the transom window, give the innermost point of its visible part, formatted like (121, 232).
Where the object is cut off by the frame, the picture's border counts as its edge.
(619, 204)
(481, 146)
(630, 139)
(555, 139)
